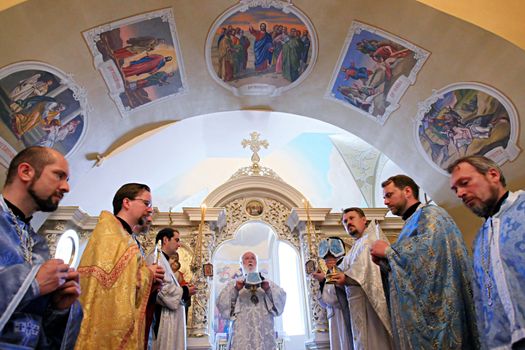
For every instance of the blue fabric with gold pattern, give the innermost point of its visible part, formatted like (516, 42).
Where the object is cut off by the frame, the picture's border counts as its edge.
(27, 320)
(431, 303)
(500, 275)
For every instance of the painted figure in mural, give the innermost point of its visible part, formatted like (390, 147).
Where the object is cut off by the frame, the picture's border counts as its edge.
(437, 129)
(359, 95)
(159, 78)
(430, 274)
(241, 45)
(148, 64)
(226, 54)
(137, 46)
(306, 50)
(384, 53)
(369, 315)
(279, 38)
(169, 324)
(56, 133)
(113, 268)
(262, 48)
(38, 110)
(464, 122)
(497, 250)
(237, 51)
(38, 302)
(333, 297)
(35, 85)
(356, 73)
(251, 304)
(292, 53)
(221, 36)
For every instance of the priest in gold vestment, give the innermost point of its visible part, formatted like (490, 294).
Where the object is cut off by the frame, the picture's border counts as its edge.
(115, 281)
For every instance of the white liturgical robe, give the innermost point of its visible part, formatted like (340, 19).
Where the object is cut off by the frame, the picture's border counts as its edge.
(172, 326)
(369, 315)
(339, 335)
(253, 323)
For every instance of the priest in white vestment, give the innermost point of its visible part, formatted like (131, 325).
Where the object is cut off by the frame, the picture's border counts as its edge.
(169, 327)
(369, 315)
(251, 303)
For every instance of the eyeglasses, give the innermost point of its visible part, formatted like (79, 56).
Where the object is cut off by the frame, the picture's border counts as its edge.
(146, 202)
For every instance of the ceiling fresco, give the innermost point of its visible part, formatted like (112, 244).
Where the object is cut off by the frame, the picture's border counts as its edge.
(358, 69)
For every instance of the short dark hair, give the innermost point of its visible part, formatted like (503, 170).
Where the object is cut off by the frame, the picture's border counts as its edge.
(36, 156)
(359, 211)
(402, 181)
(165, 232)
(130, 191)
(481, 164)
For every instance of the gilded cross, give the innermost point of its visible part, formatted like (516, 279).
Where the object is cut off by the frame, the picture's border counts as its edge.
(255, 145)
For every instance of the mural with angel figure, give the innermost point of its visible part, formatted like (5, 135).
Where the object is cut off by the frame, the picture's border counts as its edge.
(139, 58)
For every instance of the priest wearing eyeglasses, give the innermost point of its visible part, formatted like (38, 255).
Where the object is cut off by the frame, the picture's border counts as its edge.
(115, 281)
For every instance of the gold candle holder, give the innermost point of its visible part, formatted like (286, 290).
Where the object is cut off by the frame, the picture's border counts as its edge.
(196, 260)
(311, 265)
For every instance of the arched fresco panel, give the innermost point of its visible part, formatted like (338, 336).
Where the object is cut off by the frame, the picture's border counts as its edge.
(40, 105)
(466, 119)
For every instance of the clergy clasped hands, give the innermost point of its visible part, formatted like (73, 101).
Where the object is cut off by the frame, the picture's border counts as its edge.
(54, 276)
(378, 250)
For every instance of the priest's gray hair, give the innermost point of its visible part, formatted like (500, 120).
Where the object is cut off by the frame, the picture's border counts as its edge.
(481, 164)
(246, 252)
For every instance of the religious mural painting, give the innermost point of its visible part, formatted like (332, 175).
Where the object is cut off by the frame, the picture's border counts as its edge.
(40, 105)
(139, 58)
(466, 119)
(261, 47)
(374, 71)
(254, 208)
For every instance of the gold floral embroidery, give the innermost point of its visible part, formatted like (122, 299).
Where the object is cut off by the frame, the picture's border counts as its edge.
(108, 279)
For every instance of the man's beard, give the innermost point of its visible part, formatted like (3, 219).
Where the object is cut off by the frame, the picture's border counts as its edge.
(143, 226)
(399, 209)
(484, 209)
(44, 204)
(352, 231)
(247, 269)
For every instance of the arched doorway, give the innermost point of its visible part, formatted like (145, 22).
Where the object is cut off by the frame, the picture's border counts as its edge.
(278, 261)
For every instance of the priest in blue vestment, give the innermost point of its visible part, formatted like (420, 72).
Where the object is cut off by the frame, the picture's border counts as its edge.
(499, 250)
(38, 296)
(431, 303)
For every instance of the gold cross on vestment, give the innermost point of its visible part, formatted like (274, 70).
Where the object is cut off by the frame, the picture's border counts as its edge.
(255, 146)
